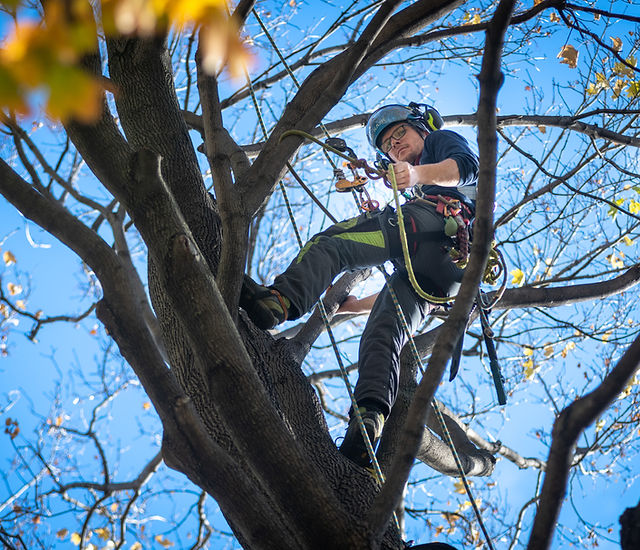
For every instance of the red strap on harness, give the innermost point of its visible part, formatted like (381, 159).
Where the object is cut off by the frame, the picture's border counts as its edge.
(414, 230)
(444, 206)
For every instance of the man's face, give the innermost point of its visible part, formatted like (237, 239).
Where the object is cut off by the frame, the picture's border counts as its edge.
(404, 141)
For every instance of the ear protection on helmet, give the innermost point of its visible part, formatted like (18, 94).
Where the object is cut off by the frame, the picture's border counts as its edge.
(427, 115)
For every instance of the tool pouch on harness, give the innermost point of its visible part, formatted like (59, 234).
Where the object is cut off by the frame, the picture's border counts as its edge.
(458, 218)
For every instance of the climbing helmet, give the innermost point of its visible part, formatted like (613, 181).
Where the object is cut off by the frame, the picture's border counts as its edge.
(419, 115)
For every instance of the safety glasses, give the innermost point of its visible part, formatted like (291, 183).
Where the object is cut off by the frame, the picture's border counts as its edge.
(398, 133)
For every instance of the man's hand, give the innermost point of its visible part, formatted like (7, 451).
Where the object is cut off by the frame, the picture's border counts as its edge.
(443, 173)
(406, 174)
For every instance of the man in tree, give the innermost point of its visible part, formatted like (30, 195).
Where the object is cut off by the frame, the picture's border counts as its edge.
(430, 162)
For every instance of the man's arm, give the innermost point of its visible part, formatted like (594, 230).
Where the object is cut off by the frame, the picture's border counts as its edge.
(352, 304)
(443, 173)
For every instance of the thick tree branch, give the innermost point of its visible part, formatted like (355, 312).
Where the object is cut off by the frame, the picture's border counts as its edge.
(403, 24)
(434, 452)
(242, 11)
(333, 298)
(422, 39)
(114, 277)
(151, 119)
(563, 295)
(390, 45)
(235, 223)
(101, 144)
(253, 422)
(571, 422)
(573, 123)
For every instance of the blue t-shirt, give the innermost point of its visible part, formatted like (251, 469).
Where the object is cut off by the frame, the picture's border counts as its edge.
(445, 144)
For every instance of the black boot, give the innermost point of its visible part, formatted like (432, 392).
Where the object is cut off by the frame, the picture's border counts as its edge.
(353, 446)
(265, 306)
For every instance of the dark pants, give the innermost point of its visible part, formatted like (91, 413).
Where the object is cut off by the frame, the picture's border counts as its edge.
(365, 241)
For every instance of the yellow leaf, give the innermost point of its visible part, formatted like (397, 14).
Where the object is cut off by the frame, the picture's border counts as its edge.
(548, 350)
(528, 352)
(146, 405)
(103, 533)
(634, 206)
(84, 104)
(476, 19)
(14, 289)
(568, 55)
(75, 538)
(213, 44)
(554, 17)
(8, 258)
(518, 277)
(568, 348)
(136, 546)
(600, 424)
(166, 543)
(622, 69)
(12, 92)
(602, 83)
(634, 89)
(530, 368)
(467, 504)
(21, 304)
(617, 43)
(114, 507)
(615, 261)
(131, 17)
(59, 420)
(459, 487)
(627, 240)
(607, 335)
(464, 506)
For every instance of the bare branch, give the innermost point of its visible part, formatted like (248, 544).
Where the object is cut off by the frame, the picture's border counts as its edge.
(568, 426)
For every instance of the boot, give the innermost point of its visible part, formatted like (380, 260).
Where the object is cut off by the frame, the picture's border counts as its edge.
(265, 306)
(353, 446)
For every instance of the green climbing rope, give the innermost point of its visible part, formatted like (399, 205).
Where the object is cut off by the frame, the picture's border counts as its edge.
(405, 247)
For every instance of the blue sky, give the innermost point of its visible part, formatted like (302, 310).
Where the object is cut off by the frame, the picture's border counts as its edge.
(65, 360)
